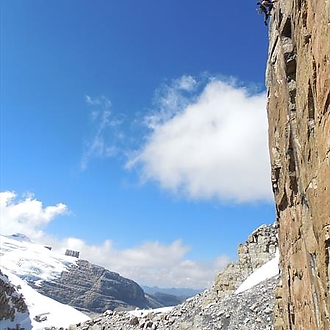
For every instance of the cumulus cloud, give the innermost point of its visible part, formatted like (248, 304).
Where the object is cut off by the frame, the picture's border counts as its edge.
(27, 216)
(151, 263)
(104, 133)
(207, 141)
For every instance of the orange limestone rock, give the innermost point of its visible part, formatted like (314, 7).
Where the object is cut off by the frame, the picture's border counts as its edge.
(298, 82)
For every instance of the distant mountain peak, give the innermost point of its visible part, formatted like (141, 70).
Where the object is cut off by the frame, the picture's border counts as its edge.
(69, 280)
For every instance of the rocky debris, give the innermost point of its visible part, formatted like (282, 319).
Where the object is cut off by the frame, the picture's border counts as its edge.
(93, 289)
(298, 81)
(11, 301)
(41, 317)
(259, 248)
(249, 310)
(252, 309)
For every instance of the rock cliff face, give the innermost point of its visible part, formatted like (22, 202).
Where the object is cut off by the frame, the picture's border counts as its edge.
(11, 301)
(259, 248)
(94, 289)
(298, 81)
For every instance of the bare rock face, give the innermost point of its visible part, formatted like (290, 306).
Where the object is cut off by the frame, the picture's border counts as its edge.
(250, 310)
(94, 289)
(298, 81)
(11, 301)
(213, 309)
(259, 248)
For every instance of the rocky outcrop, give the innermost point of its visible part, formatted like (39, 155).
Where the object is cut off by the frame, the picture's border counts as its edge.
(298, 80)
(94, 289)
(11, 301)
(250, 310)
(259, 248)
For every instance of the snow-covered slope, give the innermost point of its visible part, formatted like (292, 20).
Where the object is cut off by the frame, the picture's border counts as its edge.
(31, 261)
(69, 280)
(56, 314)
(22, 261)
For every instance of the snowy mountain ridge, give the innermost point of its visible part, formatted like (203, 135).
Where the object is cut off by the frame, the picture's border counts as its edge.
(31, 261)
(24, 261)
(89, 288)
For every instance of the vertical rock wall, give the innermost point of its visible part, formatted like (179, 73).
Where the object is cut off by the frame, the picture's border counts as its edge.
(298, 81)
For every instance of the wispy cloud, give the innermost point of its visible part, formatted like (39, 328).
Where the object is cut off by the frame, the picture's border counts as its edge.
(207, 140)
(105, 132)
(151, 263)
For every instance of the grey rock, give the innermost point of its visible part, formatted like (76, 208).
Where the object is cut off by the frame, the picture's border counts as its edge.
(11, 301)
(93, 290)
(232, 313)
(259, 248)
(252, 309)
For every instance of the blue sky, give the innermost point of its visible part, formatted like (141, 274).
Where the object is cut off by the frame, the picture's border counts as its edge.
(135, 131)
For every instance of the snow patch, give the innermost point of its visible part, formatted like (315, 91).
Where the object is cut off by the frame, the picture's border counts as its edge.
(55, 314)
(268, 270)
(31, 261)
(145, 312)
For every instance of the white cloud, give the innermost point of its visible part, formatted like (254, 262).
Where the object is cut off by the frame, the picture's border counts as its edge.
(27, 216)
(208, 142)
(151, 263)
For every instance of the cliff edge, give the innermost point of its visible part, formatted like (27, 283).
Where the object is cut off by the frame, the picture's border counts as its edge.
(298, 82)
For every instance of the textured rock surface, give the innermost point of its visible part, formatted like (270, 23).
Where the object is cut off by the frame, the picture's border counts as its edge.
(11, 301)
(298, 80)
(92, 288)
(259, 248)
(250, 310)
